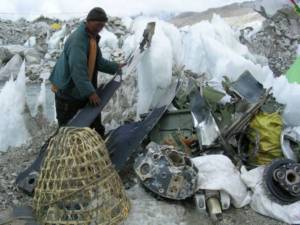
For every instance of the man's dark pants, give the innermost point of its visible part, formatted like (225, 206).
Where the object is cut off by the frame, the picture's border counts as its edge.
(66, 110)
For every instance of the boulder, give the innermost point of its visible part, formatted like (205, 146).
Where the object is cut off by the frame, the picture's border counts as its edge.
(11, 68)
(5, 55)
(32, 56)
(16, 49)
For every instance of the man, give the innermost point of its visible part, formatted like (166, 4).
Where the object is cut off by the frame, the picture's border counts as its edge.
(74, 77)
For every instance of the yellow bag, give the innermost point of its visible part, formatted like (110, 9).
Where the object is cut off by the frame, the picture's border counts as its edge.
(268, 127)
(55, 26)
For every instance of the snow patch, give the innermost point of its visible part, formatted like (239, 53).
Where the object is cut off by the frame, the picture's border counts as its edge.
(155, 69)
(41, 101)
(31, 42)
(13, 130)
(147, 210)
(213, 48)
(11, 69)
(127, 21)
(108, 39)
(57, 37)
(286, 93)
(108, 42)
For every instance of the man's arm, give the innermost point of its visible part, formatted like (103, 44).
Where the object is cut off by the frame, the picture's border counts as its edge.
(106, 66)
(78, 69)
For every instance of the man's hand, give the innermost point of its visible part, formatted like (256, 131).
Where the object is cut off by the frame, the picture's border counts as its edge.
(121, 65)
(94, 99)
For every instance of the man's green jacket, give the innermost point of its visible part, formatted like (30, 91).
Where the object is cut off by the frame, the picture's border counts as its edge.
(70, 74)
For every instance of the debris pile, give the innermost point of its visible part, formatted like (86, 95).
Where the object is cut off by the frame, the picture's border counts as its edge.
(17, 33)
(196, 139)
(246, 128)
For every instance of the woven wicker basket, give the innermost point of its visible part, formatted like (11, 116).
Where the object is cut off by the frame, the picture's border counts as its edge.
(78, 184)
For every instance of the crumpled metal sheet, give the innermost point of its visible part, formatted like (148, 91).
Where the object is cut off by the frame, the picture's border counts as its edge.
(289, 136)
(123, 141)
(205, 124)
(86, 116)
(247, 87)
(207, 129)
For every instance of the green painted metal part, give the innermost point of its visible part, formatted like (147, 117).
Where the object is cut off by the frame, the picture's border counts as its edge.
(175, 128)
(293, 74)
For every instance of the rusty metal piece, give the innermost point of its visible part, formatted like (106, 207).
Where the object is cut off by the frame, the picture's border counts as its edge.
(282, 181)
(167, 172)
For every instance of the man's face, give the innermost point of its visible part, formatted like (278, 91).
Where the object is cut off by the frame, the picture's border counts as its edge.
(95, 26)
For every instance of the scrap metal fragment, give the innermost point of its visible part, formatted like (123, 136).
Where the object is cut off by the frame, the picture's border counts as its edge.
(240, 124)
(282, 181)
(167, 172)
(200, 203)
(247, 87)
(214, 207)
(147, 35)
(204, 122)
(290, 144)
(176, 128)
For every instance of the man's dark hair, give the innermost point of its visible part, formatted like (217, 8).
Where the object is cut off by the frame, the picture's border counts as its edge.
(97, 14)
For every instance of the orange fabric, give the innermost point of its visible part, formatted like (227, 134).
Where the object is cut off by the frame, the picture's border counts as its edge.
(92, 57)
(91, 61)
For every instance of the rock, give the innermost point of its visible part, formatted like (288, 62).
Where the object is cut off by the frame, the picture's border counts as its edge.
(118, 53)
(13, 32)
(11, 68)
(116, 26)
(118, 56)
(277, 40)
(119, 32)
(5, 55)
(32, 56)
(15, 202)
(47, 56)
(34, 77)
(16, 49)
(18, 32)
(31, 42)
(118, 22)
(38, 28)
(33, 71)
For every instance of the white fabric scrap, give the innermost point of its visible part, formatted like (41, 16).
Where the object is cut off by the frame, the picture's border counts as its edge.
(217, 172)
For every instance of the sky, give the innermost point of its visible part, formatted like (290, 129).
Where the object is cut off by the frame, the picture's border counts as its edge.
(63, 9)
